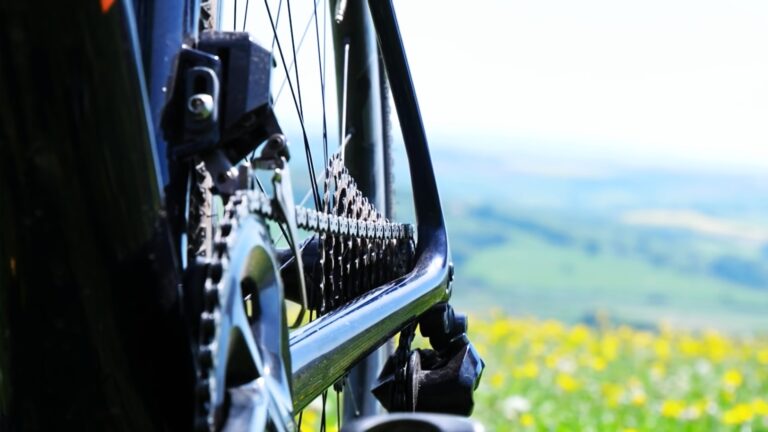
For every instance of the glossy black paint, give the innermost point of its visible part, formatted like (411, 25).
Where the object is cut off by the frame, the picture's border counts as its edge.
(162, 27)
(91, 329)
(323, 350)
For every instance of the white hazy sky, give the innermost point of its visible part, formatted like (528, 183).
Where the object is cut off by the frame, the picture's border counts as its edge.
(679, 80)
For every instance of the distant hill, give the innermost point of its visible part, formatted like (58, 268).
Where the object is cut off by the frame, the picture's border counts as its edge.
(565, 239)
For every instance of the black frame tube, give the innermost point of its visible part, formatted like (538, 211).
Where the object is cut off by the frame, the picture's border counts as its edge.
(364, 157)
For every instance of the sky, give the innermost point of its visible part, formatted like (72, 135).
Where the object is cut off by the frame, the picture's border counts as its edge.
(682, 81)
(670, 82)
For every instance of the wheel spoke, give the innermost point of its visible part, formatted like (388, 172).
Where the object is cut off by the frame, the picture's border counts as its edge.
(291, 66)
(343, 134)
(295, 59)
(320, 61)
(245, 18)
(338, 410)
(322, 415)
(299, 111)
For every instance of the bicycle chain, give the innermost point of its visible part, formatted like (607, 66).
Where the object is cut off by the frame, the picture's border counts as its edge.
(359, 249)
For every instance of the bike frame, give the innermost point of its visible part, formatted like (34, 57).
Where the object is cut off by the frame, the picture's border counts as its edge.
(121, 270)
(324, 350)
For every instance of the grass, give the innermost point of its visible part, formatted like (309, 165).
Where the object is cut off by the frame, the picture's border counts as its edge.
(546, 375)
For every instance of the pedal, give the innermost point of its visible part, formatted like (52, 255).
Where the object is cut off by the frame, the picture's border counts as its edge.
(439, 380)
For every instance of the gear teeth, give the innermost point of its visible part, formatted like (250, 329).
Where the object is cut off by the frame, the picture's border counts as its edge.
(216, 271)
(203, 390)
(211, 298)
(359, 249)
(205, 357)
(207, 327)
(219, 247)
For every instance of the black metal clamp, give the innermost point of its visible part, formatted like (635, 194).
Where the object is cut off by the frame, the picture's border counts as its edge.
(220, 108)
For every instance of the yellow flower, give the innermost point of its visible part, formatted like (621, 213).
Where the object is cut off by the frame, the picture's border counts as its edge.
(611, 394)
(500, 329)
(309, 420)
(716, 346)
(551, 361)
(528, 370)
(661, 348)
(567, 383)
(760, 407)
(579, 334)
(552, 329)
(762, 356)
(732, 379)
(690, 347)
(598, 364)
(527, 420)
(497, 380)
(739, 414)
(609, 347)
(672, 408)
(639, 398)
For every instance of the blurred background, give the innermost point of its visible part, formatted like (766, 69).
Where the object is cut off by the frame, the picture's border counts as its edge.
(601, 156)
(603, 169)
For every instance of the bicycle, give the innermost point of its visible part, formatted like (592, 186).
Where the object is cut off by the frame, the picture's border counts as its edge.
(192, 233)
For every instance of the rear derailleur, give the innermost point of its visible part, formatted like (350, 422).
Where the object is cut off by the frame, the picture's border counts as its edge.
(438, 380)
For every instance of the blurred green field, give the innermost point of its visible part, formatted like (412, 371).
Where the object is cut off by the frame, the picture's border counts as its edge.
(532, 263)
(566, 238)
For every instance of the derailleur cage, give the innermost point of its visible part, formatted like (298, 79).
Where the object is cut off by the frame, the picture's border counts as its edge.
(440, 380)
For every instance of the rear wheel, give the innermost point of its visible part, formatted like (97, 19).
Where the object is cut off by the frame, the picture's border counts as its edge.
(316, 58)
